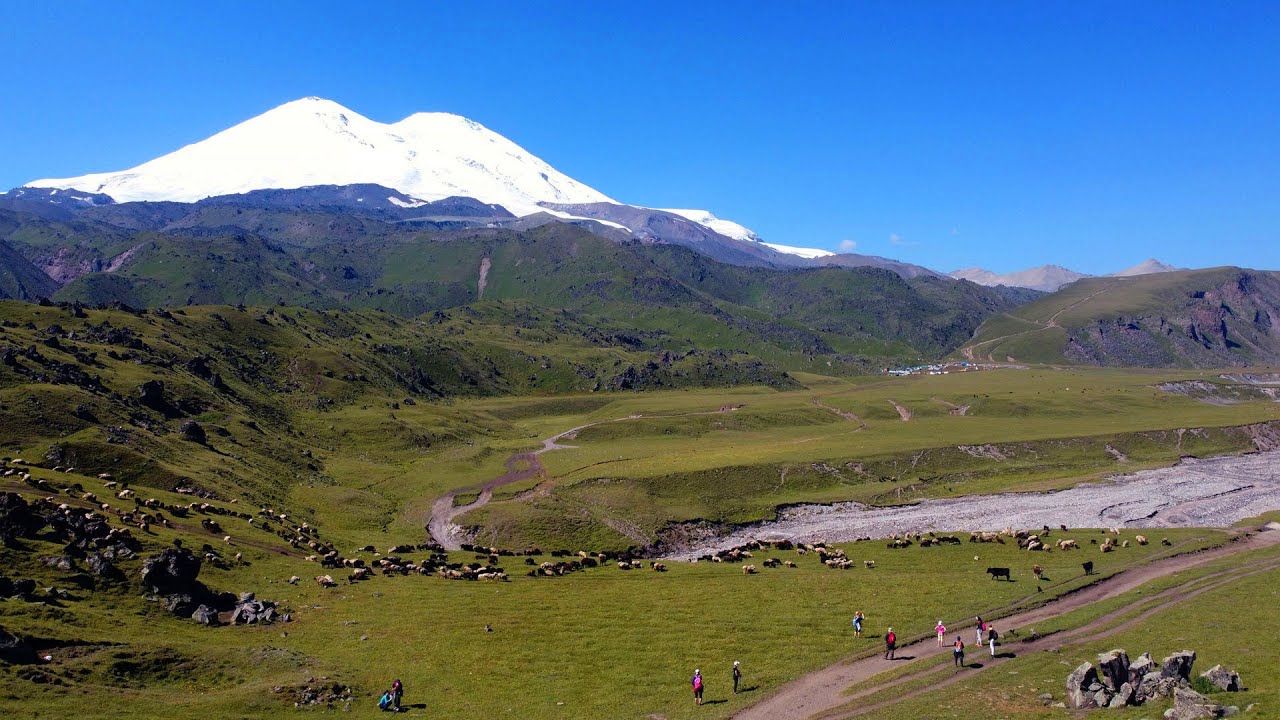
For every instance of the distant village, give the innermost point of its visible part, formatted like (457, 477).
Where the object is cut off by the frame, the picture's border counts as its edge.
(935, 369)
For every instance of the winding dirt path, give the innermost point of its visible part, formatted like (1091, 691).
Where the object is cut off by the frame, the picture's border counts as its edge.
(842, 413)
(968, 351)
(520, 466)
(822, 693)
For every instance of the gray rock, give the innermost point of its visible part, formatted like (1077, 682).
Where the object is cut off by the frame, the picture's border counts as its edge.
(1113, 669)
(1178, 665)
(1191, 705)
(1156, 685)
(1222, 678)
(1046, 698)
(1124, 696)
(205, 615)
(1140, 667)
(1102, 698)
(1078, 684)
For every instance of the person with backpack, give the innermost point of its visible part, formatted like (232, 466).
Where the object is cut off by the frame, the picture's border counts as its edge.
(890, 642)
(737, 675)
(942, 630)
(384, 702)
(992, 636)
(697, 687)
(857, 624)
(957, 652)
(980, 629)
(397, 691)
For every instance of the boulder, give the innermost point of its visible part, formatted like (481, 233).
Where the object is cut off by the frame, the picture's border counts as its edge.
(1113, 669)
(60, 562)
(15, 649)
(192, 431)
(17, 519)
(172, 571)
(1191, 705)
(1222, 678)
(180, 604)
(1156, 685)
(1178, 665)
(1102, 698)
(1078, 684)
(24, 587)
(103, 568)
(1140, 667)
(205, 615)
(1125, 696)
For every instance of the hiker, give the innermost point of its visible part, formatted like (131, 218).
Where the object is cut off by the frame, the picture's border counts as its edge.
(857, 624)
(697, 687)
(942, 630)
(737, 675)
(957, 652)
(397, 691)
(992, 636)
(890, 642)
(384, 702)
(980, 629)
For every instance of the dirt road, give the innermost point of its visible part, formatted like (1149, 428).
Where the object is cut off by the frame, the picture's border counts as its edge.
(520, 466)
(822, 694)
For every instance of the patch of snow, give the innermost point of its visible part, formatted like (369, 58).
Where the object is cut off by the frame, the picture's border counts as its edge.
(413, 204)
(802, 252)
(566, 216)
(728, 228)
(319, 142)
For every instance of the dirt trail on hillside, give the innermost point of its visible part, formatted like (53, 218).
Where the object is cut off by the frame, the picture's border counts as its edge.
(822, 694)
(520, 466)
(969, 351)
(903, 412)
(842, 413)
(1217, 492)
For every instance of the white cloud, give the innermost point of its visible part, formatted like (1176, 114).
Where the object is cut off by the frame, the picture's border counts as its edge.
(847, 246)
(896, 239)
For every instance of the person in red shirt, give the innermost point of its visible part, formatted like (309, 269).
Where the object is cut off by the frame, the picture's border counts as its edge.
(890, 642)
(957, 652)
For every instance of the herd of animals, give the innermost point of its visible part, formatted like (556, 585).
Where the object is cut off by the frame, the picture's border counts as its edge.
(134, 511)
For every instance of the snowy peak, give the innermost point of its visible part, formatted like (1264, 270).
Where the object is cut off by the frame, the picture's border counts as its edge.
(314, 141)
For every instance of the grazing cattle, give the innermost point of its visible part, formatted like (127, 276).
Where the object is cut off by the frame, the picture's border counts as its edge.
(1037, 571)
(658, 567)
(294, 580)
(998, 572)
(748, 569)
(771, 562)
(1165, 542)
(869, 564)
(1088, 567)
(1068, 545)
(789, 563)
(326, 581)
(1141, 539)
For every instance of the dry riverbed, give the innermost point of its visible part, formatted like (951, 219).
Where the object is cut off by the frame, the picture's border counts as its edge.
(1215, 492)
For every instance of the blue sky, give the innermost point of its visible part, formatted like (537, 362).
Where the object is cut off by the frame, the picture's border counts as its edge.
(1088, 134)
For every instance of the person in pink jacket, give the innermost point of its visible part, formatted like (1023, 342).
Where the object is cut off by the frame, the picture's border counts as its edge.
(941, 630)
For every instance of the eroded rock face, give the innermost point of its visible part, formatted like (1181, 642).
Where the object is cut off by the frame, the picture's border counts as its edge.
(15, 649)
(1223, 679)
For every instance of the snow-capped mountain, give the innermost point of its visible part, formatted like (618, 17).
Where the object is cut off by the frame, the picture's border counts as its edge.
(317, 142)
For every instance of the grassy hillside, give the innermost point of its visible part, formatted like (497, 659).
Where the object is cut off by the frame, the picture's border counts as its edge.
(1194, 318)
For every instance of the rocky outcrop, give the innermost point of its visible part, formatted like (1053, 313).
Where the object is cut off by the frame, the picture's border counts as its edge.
(1116, 682)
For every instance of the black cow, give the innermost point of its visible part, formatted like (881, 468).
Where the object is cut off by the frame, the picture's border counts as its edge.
(997, 573)
(1088, 567)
